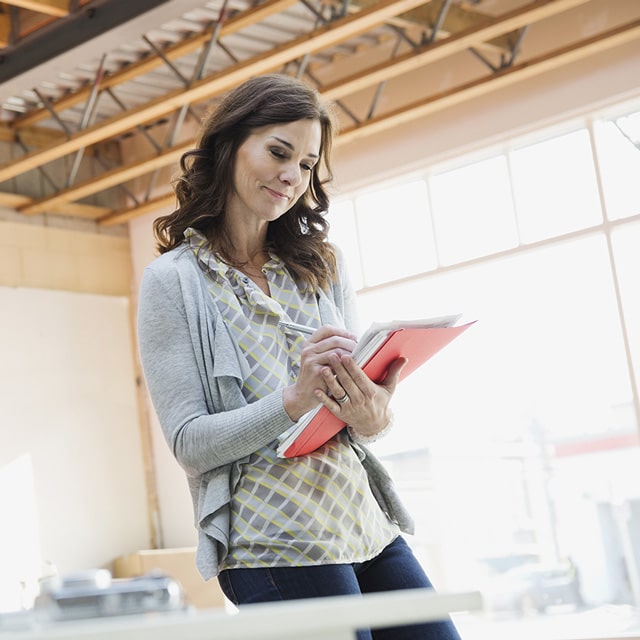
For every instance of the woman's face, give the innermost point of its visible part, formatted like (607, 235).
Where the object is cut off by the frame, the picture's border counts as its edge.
(273, 168)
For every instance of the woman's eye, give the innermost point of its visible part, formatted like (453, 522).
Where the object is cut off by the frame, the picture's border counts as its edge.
(280, 154)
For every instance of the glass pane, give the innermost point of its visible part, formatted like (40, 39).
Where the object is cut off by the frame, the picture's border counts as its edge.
(630, 126)
(626, 241)
(343, 233)
(395, 233)
(619, 161)
(516, 445)
(473, 211)
(555, 187)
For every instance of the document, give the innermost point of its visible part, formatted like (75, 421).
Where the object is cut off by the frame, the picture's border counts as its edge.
(380, 345)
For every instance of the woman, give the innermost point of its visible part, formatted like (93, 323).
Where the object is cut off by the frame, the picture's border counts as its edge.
(245, 249)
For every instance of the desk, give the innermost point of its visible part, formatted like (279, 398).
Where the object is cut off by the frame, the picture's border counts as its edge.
(334, 618)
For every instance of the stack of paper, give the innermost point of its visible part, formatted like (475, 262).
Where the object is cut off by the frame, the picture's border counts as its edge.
(380, 345)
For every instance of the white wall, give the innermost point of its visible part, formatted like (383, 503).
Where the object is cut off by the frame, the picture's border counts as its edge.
(72, 489)
(175, 524)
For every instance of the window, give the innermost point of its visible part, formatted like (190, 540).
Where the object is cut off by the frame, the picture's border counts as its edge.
(475, 220)
(344, 234)
(626, 240)
(516, 448)
(395, 232)
(555, 186)
(619, 158)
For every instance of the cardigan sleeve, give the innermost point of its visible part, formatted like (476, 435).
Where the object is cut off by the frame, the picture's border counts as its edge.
(189, 400)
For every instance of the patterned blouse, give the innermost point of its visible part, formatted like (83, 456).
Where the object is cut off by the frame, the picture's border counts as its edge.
(313, 509)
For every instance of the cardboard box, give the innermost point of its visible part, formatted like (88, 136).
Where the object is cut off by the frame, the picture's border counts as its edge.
(180, 565)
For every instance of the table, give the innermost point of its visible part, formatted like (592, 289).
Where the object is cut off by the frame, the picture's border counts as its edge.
(336, 618)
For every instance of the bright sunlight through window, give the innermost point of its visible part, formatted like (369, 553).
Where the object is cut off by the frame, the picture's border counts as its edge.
(517, 446)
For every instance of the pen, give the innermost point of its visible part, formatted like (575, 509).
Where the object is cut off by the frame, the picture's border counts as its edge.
(294, 326)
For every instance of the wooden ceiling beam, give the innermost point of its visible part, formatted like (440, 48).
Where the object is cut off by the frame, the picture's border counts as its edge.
(31, 136)
(146, 65)
(506, 77)
(73, 209)
(444, 100)
(414, 59)
(56, 8)
(13, 200)
(402, 64)
(124, 215)
(106, 180)
(326, 36)
(456, 19)
(42, 136)
(79, 210)
(5, 30)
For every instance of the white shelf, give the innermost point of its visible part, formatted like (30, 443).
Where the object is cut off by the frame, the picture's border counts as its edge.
(315, 619)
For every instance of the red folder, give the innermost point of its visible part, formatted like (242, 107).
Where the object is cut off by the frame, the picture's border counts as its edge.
(416, 344)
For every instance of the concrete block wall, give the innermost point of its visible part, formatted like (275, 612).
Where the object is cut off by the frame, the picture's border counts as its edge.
(70, 259)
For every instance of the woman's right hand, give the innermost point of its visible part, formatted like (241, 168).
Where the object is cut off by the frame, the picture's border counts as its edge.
(300, 397)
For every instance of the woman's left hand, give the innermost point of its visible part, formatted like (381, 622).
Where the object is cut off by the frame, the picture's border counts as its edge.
(354, 398)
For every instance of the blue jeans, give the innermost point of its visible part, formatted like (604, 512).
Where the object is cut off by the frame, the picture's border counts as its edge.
(394, 568)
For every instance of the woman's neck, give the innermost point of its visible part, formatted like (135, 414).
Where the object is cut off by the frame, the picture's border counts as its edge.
(248, 245)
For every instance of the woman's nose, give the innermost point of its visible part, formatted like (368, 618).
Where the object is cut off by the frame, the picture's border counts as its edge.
(292, 175)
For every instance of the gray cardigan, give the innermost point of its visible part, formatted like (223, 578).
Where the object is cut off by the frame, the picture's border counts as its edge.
(194, 374)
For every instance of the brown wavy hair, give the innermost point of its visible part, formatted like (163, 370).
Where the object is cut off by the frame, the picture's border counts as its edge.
(299, 237)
